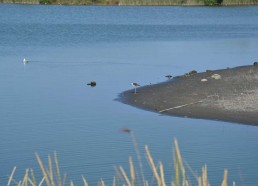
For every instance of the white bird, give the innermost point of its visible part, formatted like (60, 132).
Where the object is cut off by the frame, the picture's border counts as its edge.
(25, 61)
(135, 85)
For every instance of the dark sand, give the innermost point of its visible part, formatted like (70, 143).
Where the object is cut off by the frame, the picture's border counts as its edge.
(233, 98)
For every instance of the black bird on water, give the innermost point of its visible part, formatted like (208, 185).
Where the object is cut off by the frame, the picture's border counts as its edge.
(92, 83)
(126, 130)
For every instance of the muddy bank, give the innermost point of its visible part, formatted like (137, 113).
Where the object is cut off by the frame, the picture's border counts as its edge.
(228, 95)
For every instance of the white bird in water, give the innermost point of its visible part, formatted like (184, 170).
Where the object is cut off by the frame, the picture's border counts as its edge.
(25, 61)
(135, 85)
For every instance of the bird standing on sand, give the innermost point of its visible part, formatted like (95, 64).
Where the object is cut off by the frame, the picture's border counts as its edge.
(135, 85)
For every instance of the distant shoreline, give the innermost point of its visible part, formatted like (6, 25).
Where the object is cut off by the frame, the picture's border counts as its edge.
(136, 3)
(232, 97)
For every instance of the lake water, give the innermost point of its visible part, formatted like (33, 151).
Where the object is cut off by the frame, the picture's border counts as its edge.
(46, 106)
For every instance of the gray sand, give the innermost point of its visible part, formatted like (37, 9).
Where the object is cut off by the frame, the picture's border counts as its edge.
(232, 97)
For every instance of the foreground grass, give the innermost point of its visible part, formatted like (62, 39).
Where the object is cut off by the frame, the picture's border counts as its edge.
(51, 174)
(137, 2)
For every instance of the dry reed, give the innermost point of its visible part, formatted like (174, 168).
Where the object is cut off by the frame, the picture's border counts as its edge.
(85, 183)
(152, 165)
(132, 170)
(137, 151)
(52, 174)
(225, 178)
(133, 2)
(11, 176)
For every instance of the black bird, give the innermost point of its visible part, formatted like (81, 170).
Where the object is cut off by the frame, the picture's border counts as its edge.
(126, 130)
(92, 83)
(169, 76)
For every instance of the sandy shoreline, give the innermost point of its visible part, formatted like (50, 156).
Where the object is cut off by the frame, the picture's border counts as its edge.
(230, 96)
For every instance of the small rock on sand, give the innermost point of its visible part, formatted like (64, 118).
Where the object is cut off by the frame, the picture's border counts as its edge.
(216, 76)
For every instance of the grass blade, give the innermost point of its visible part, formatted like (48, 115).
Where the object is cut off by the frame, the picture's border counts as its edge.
(43, 170)
(34, 181)
(125, 176)
(132, 170)
(11, 177)
(162, 177)
(152, 165)
(225, 179)
(59, 179)
(84, 181)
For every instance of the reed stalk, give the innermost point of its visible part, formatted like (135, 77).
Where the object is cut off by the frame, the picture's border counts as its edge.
(152, 165)
(138, 154)
(50, 171)
(11, 176)
(225, 178)
(58, 170)
(114, 181)
(52, 175)
(85, 183)
(137, 2)
(64, 180)
(125, 176)
(71, 183)
(132, 170)
(33, 178)
(118, 175)
(203, 179)
(162, 177)
(101, 183)
(42, 181)
(179, 167)
(25, 179)
(43, 170)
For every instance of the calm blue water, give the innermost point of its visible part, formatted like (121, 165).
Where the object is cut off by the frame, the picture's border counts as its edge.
(46, 106)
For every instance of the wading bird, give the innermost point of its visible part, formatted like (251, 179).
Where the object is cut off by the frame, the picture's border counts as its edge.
(135, 85)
